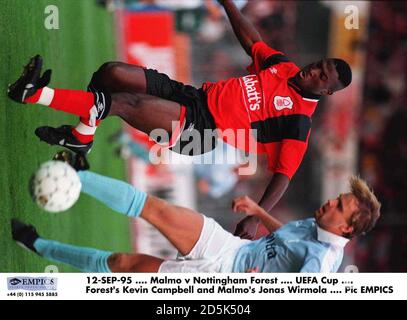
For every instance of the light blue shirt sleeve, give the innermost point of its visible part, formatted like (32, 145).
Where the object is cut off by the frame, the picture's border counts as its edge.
(292, 248)
(311, 265)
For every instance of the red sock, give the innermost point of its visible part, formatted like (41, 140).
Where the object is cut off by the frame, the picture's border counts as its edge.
(84, 132)
(71, 101)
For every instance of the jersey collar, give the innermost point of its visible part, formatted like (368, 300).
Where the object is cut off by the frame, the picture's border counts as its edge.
(308, 96)
(331, 238)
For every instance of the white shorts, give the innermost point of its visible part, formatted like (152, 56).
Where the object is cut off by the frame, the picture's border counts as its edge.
(215, 251)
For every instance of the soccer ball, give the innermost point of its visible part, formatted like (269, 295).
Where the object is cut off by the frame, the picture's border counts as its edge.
(56, 186)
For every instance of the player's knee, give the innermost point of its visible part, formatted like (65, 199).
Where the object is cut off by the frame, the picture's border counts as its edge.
(101, 79)
(121, 262)
(109, 71)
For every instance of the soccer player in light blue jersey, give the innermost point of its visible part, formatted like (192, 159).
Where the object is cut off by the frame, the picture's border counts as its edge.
(310, 245)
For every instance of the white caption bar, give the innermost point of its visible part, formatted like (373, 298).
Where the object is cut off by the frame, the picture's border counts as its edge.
(248, 286)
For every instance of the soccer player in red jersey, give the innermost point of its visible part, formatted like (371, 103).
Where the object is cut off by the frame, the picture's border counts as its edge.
(273, 105)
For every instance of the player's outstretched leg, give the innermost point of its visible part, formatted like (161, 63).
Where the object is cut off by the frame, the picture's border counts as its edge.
(111, 77)
(94, 106)
(181, 226)
(141, 111)
(85, 259)
(117, 195)
(144, 98)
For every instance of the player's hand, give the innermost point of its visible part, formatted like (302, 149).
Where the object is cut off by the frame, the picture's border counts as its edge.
(247, 228)
(253, 270)
(246, 205)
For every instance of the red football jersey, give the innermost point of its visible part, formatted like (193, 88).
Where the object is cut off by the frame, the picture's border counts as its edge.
(267, 102)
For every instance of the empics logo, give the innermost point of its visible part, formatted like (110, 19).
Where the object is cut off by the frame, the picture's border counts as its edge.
(14, 281)
(281, 103)
(253, 95)
(32, 284)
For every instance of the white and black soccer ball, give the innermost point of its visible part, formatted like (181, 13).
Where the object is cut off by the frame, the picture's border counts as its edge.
(56, 186)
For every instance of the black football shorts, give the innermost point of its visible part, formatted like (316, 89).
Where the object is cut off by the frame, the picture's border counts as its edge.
(195, 138)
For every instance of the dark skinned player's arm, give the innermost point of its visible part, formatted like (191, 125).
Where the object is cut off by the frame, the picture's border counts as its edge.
(245, 32)
(246, 205)
(274, 191)
(247, 36)
(247, 228)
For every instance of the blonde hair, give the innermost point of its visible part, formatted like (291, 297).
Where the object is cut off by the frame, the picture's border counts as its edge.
(364, 219)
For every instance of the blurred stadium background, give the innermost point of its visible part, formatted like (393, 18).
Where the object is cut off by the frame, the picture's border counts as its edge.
(361, 130)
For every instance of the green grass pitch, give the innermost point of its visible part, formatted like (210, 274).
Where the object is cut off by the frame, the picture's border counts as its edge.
(83, 41)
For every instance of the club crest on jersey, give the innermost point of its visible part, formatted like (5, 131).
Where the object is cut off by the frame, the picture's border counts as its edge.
(281, 103)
